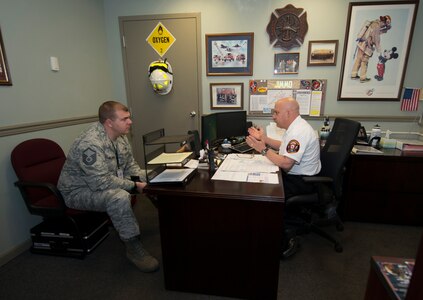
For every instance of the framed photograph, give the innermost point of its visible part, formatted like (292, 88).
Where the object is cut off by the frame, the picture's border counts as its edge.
(286, 63)
(377, 43)
(226, 95)
(322, 53)
(230, 54)
(4, 68)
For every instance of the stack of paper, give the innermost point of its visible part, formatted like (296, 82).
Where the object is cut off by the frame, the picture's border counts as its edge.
(170, 158)
(247, 168)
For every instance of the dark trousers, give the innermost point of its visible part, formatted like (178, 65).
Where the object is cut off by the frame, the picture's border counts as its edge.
(295, 185)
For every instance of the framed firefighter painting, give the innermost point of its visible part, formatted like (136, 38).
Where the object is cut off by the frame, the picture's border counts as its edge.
(229, 54)
(377, 43)
(4, 68)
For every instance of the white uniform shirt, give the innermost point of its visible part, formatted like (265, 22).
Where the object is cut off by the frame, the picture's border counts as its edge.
(300, 143)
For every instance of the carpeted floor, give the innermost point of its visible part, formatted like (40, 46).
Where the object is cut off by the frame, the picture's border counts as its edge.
(315, 272)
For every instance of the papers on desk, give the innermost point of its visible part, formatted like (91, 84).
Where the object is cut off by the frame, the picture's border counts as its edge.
(361, 149)
(247, 168)
(170, 158)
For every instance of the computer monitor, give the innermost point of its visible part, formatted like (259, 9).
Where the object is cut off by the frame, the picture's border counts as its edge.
(218, 126)
(208, 130)
(231, 124)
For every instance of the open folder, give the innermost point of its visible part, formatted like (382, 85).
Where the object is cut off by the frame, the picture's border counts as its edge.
(170, 158)
(177, 176)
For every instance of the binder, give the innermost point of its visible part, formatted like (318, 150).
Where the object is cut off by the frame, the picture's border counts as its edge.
(173, 176)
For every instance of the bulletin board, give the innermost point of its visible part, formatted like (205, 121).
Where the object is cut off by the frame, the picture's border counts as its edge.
(310, 94)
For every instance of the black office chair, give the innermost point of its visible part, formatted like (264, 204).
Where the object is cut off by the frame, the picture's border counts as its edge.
(308, 212)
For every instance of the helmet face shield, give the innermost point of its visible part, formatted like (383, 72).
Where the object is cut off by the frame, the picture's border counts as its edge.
(161, 76)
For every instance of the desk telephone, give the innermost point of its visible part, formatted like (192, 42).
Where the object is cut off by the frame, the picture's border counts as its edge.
(374, 140)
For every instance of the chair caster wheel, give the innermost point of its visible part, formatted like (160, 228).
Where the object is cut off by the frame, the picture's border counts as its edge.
(291, 248)
(338, 248)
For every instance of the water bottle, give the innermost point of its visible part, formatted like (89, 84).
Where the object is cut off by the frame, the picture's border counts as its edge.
(324, 132)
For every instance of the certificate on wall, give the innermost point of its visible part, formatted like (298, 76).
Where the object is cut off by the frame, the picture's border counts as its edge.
(315, 103)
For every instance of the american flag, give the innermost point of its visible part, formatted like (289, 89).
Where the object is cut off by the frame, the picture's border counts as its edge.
(410, 99)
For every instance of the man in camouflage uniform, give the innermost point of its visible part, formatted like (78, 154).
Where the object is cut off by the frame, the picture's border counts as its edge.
(97, 176)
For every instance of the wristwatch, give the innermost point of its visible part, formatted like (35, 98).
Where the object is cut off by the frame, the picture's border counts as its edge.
(264, 151)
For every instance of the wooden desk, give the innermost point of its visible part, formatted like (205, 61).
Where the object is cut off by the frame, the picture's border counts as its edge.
(221, 238)
(385, 188)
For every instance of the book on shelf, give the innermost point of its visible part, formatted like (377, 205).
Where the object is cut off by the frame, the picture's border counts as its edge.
(361, 149)
(397, 275)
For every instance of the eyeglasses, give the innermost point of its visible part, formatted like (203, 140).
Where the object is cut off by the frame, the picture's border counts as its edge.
(245, 155)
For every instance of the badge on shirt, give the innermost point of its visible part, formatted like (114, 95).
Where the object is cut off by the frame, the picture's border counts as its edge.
(89, 157)
(293, 146)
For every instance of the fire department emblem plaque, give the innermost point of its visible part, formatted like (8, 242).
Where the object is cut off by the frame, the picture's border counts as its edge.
(288, 27)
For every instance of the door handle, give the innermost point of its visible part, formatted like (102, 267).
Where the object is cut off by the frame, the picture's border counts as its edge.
(192, 114)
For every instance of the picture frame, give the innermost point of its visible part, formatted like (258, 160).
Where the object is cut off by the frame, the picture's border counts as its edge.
(377, 82)
(230, 54)
(226, 95)
(322, 53)
(4, 67)
(286, 63)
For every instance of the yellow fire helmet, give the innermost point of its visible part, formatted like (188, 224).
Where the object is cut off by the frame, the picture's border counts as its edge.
(161, 76)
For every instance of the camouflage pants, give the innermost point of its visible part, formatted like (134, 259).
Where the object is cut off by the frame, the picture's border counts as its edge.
(115, 202)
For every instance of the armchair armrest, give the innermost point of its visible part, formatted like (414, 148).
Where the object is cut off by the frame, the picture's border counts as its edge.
(317, 179)
(52, 202)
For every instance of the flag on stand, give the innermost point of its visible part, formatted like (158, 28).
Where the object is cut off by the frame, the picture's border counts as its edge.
(410, 99)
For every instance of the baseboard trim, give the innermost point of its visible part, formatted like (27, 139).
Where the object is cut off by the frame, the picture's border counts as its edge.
(15, 251)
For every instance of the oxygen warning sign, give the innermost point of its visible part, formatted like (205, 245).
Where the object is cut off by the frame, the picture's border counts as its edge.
(160, 39)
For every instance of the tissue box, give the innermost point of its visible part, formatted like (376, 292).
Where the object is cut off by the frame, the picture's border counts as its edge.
(388, 143)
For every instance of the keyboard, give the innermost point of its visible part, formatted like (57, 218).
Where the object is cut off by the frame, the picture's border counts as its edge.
(241, 147)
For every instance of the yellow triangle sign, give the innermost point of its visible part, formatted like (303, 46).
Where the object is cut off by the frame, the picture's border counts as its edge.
(160, 39)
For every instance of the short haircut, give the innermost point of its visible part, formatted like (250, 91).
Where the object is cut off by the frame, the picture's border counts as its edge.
(108, 110)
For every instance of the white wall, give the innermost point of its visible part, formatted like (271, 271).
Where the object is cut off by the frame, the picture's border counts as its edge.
(32, 32)
(326, 21)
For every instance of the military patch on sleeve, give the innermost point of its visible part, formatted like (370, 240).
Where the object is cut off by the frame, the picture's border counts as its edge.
(89, 157)
(293, 146)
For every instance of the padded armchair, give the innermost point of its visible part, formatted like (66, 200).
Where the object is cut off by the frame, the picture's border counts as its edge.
(37, 164)
(308, 212)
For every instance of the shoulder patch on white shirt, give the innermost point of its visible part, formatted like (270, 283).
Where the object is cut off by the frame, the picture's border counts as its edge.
(293, 146)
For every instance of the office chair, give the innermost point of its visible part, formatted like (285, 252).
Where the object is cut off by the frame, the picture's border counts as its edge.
(37, 164)
(308, 212)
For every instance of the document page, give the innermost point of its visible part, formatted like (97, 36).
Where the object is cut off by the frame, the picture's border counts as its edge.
(248, 163)
(169, 158)
(247, 168)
